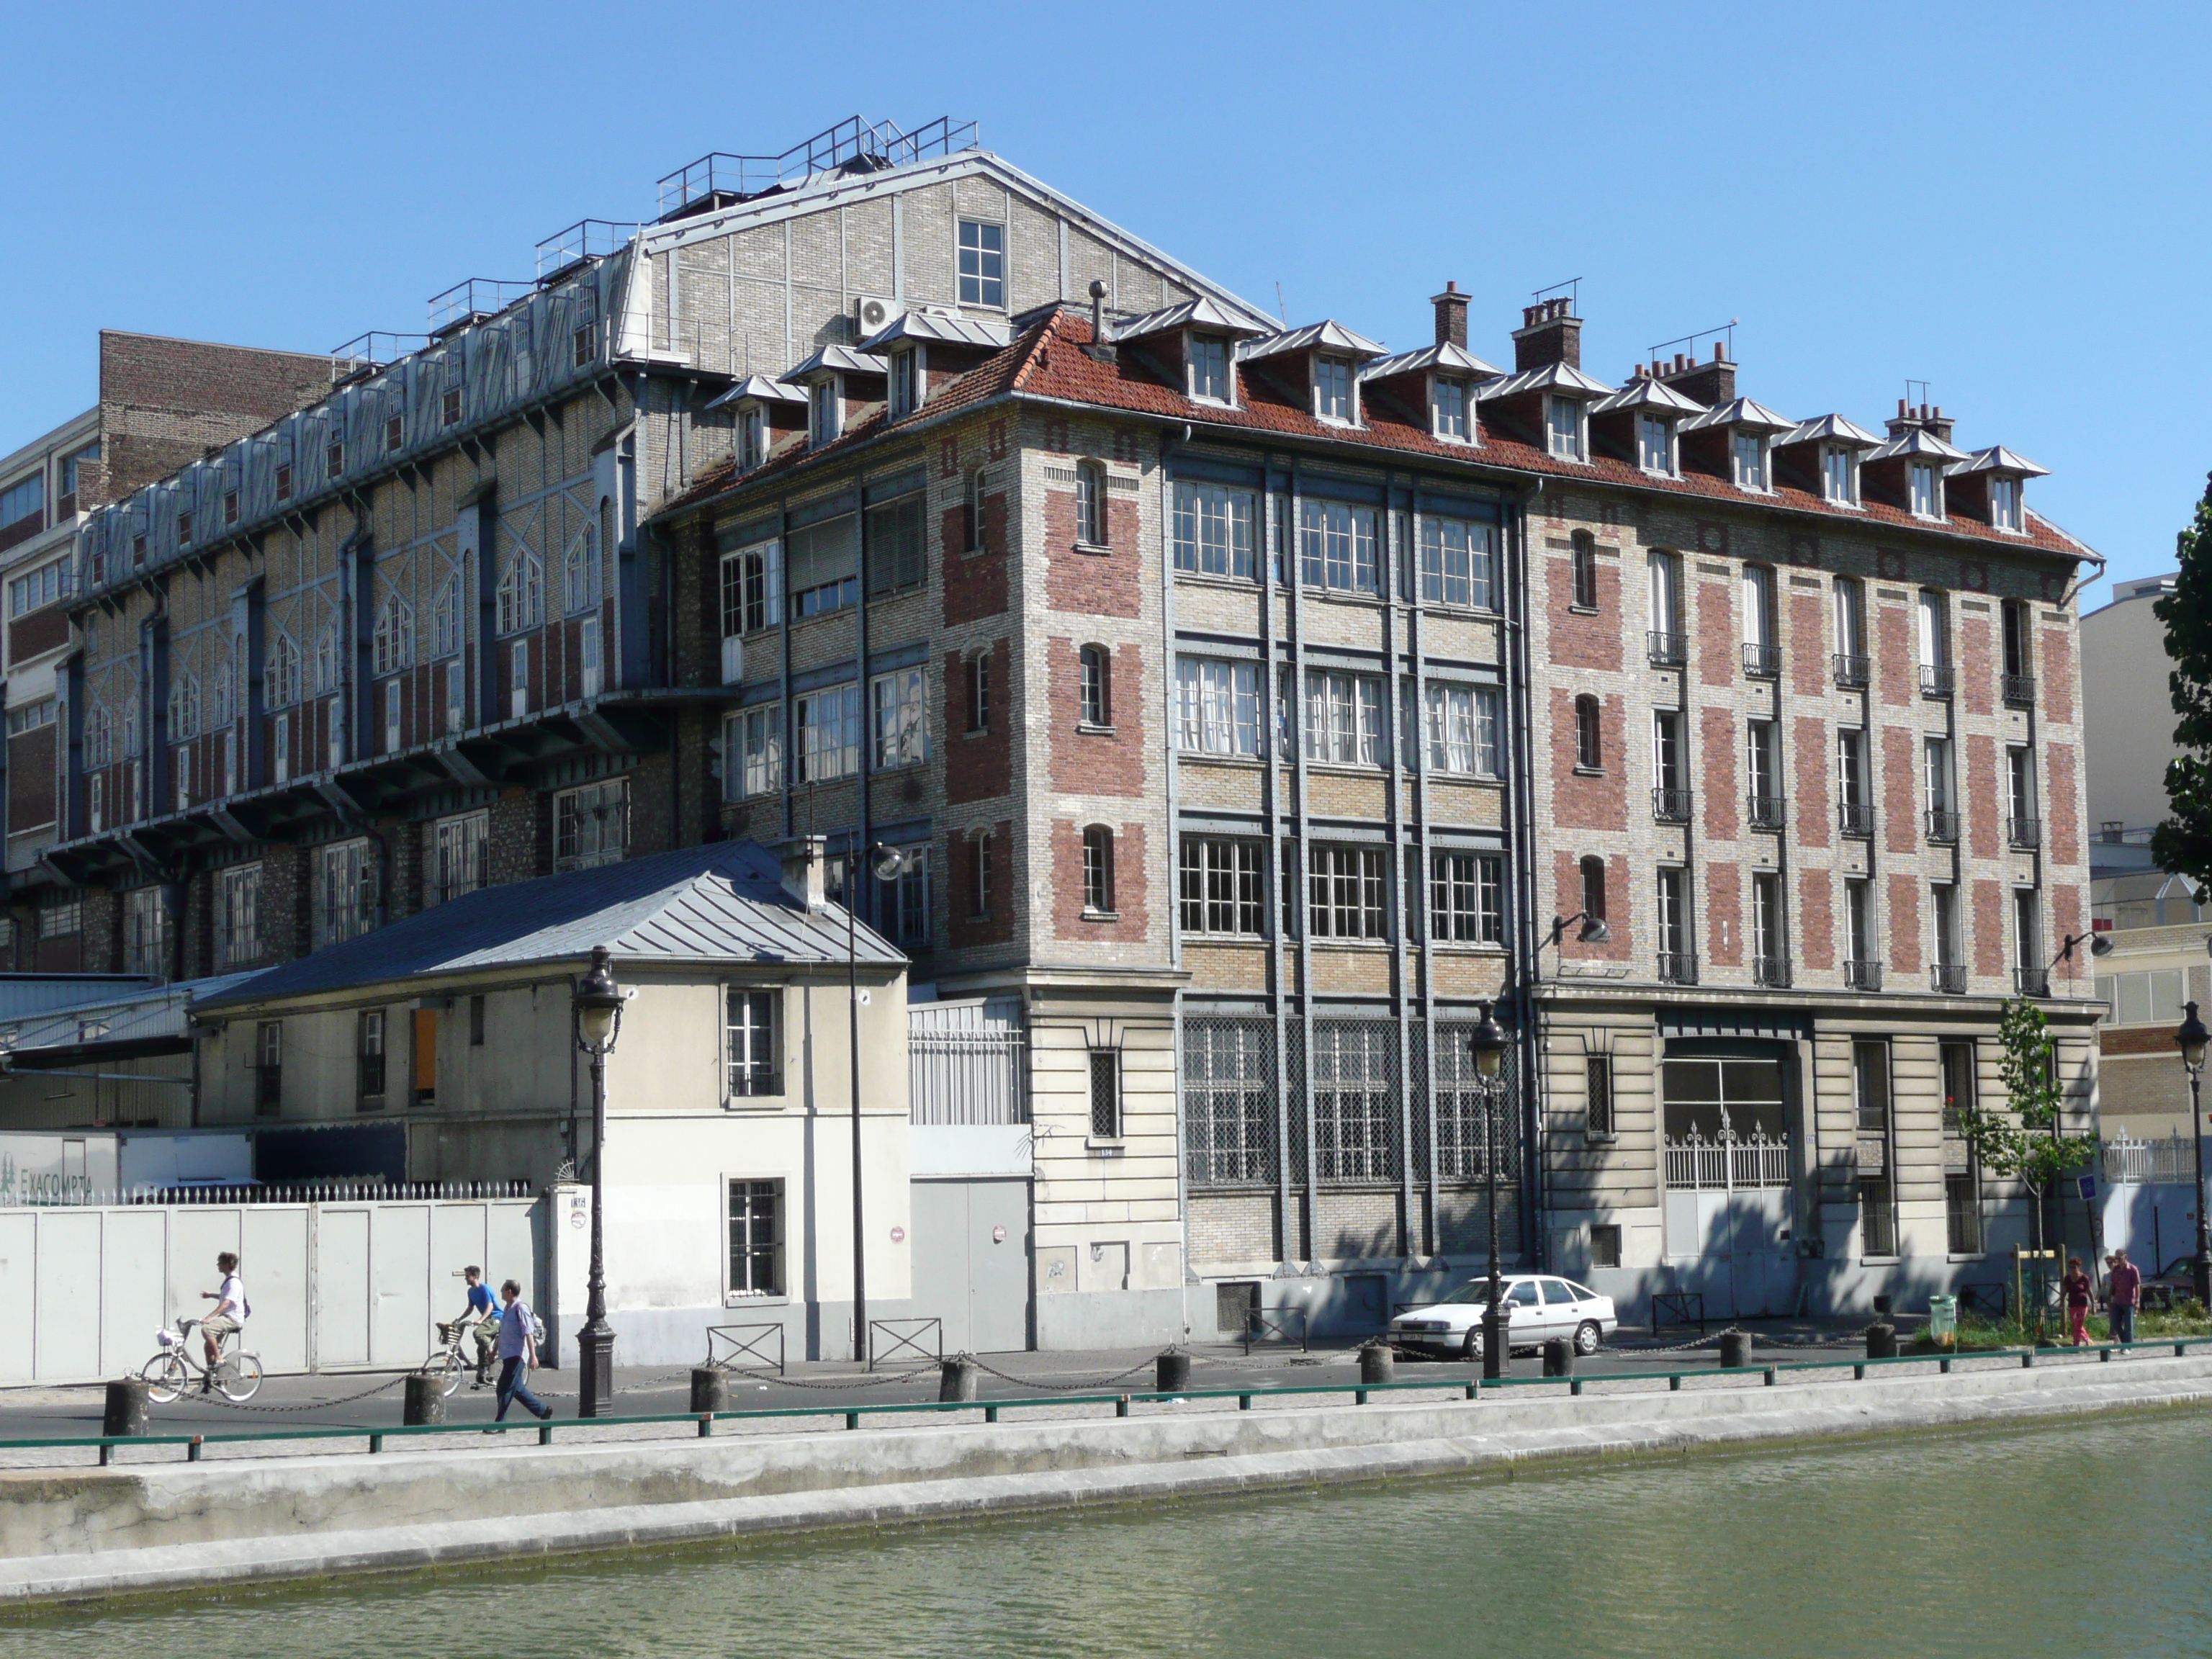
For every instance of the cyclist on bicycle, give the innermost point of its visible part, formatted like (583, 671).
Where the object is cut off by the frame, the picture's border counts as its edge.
(229, 1315)
(481, 1319)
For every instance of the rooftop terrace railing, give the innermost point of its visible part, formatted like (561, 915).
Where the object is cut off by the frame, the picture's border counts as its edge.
(853, 143)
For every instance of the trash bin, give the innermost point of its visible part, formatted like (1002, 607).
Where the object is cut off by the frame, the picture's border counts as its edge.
(1944, 1319)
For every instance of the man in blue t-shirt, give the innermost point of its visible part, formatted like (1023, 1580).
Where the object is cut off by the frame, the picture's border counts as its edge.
(518, 1355)
(483, 1319)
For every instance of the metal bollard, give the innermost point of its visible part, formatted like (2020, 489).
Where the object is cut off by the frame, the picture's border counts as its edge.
(710, 1388)
(956, 1378)
(425, 1401)
(1377, 1363)
(1735, 1349)
(126, 1407)
(1171, 1371)
(1881, 1340)
(1559, 1357)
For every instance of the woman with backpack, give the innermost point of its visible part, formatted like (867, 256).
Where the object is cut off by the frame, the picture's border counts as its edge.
(518, 1354)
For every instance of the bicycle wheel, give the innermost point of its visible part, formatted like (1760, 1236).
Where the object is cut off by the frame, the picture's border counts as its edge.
(166, 1378)
(445, 1364)
(239, 1377)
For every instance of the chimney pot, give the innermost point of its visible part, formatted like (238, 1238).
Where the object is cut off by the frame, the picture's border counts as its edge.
(1902, 409)
(1717, 352)
(1550, 332)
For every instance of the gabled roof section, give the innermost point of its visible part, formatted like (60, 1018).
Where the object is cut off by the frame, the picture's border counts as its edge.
(1997, 458)
(1201, 312)
(1739, 412)
(1918, 443)
(720, 904)
(759, 387)
(1647, 394)
(841, 359)
(952, 327)
(1328, 335)
(1443, 358)
(1561, 378)
(1831, 430)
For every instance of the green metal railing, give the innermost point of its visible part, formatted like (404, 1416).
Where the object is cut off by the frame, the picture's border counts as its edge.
(1470, 1389)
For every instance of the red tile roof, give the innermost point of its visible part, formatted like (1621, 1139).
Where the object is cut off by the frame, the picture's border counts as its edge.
(1047, 360)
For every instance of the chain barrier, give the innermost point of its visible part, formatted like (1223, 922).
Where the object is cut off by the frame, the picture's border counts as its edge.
(309, 1405)
(1141, 1366)
(847, 1383)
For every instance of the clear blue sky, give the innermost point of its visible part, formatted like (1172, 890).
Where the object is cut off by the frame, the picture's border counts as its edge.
(2005, 202)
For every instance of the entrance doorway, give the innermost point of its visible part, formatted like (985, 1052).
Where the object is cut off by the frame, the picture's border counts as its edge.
(971, 1262)
(1729, 1213)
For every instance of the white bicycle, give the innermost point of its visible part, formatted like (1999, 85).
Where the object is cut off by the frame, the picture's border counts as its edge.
(169, 1373)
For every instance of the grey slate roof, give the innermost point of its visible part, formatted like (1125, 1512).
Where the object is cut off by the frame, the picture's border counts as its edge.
(716, 905)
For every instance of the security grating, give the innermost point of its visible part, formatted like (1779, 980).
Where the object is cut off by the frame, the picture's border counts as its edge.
(1355, 1102)
(1465, 1125)
(1229, 1101)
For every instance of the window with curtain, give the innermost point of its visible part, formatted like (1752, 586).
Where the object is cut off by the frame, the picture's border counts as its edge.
(1217, 706)
(1336, 547)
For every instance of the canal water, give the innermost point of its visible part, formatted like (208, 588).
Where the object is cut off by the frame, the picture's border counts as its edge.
(2087, 1540)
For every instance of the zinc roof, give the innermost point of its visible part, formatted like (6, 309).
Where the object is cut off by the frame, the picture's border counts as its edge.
(1647, 394)
(1325, 336)
(1201, 312)
(1552, 377)
(1443, 357)
(759, 386)
(952, 327)
(1916, 442)
(1830, 428)
(1997, 458)
(841, 358)
(1739, 412)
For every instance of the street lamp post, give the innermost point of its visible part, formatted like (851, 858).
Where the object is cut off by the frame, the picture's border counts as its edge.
(2191, 1039)
(598, 1004)
(886, 863)
(1488, 1045)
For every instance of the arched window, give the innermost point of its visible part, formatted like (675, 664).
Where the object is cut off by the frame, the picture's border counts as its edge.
(1098, 869)
(1593, 872)
(979, 692)
(394, 639)
(1585, 564)
(99, 737)
(521, 596)
(283, 672)
(220, 703)
(979, 875)
(184, 710)
(1090, 503)
(1094, 676)
(1590, 746)
(579, 576)
(446, 619)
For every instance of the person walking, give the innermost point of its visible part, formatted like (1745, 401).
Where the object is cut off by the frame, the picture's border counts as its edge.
(2124, 1281)
(483, 1321)
(518, 1355)
(2077, 1289)
(229, 1315)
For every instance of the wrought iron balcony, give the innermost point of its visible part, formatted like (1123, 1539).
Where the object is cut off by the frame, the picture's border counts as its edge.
(2024, 832)
(2031, 982)
(1851, 669)
(1935, 680)
(1666, 650)
(1948, 976)
(1855, 819)
(1772, 972)
(1762, 662)
(1766, 811)
(1942, 823)
(1670, 806)
(1678, 968)
(2020, 690)
(1861, 975)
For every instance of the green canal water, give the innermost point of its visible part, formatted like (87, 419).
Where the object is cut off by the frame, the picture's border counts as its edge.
(2093, 1540)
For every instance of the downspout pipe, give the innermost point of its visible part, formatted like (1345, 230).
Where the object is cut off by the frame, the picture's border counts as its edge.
(1520, 768)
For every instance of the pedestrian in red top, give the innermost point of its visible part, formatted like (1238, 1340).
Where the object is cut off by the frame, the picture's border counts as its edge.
(2078, 1290)
(2124, 1280)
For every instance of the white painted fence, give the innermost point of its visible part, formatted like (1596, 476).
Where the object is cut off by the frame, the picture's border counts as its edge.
(334, 1285)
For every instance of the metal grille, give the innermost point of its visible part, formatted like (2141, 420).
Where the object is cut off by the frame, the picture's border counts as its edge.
(2131, 1162)
(1294, 1087)
(1463, 1137)
(1229, 1101)
(1728, 1162)
(1355, 1102)
(967, 1062)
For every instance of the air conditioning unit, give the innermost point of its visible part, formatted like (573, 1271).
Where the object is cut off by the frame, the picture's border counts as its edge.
(872, 313)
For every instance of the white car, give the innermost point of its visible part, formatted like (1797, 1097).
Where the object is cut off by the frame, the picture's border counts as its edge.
(1543, 1307)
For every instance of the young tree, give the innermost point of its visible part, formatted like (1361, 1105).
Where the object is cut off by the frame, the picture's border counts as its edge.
(2024, 1139)
(2182, 843)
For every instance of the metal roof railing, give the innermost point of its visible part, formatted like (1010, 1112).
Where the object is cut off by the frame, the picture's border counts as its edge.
(873, 145)
(478, 296)
(587, 239)
(375, 349)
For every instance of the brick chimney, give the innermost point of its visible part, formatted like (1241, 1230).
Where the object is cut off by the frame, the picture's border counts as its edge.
(805, 869)
(1451, 316)
(1710, 384)
(1925, 417)
(1550, 332)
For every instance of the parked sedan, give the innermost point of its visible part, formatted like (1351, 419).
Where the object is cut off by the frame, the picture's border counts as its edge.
(1542, 1307)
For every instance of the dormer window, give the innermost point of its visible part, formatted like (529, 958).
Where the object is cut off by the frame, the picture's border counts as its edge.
(1927, 491)
(1207, 357)
(1839, 475)
(1448, 409)
(2004, 503)
(1563, 418)
(822, 410)
(752, 437)
(1749, 450)
(1332, 382)
(1654, 445)
(906, 379)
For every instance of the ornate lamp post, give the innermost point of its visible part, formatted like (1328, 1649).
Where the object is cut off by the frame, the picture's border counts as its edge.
(2191, 1039)
(597, 1003)
(1488, 1045)
(887, 864)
